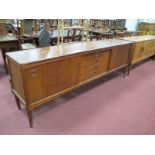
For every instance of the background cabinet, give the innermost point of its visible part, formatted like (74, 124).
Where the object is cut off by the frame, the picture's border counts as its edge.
(143, 47)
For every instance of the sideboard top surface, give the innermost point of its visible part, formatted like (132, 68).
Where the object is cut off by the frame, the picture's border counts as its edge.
(66, 49)
(139, 38)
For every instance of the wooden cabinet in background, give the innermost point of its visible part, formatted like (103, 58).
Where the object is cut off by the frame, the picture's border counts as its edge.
(40, 75)
(143, 47)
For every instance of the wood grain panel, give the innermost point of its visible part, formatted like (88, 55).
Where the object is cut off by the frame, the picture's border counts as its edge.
(62, 74)
(103, 59)
(138, 52)
(87, 66)
(36, 83)
(16, 78)
(119, 57)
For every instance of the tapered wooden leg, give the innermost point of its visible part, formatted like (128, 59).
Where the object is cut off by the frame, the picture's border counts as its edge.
(125, 71)
(17, 102)
(129, 69)
(29, 113)
(4, 59)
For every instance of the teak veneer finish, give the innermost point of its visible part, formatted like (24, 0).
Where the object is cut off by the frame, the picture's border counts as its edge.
(40, 75)
(143, 47)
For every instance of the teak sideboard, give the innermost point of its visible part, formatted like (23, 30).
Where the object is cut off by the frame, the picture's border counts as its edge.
(40, 75)
(142, 48)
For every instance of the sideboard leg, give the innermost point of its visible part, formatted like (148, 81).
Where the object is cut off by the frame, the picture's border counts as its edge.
(125, 71)
(29, 113)
(154, 57)
(129, 69)
(4, 59)
(17, 102)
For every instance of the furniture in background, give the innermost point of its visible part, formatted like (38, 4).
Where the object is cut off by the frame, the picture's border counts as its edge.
(120, 24)
(120, 34)
(108, 35)
(147, 27)
(129, 33)
(77, 34)
(26, 39)
(139, 33)
(7, 41)
(143, 48)
(98, 32)
(151, 33)
(47, 73)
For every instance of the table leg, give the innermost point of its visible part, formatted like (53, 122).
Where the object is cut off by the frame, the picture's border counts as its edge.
(29, 113)
(17, 102)
(129, 69)
(125, 71)
(4, 59)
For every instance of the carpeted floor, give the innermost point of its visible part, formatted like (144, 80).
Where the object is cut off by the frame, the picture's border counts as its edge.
(111, 105)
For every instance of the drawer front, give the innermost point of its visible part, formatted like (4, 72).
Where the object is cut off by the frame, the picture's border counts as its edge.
(87, 66)
(36, 83)
(103, 59)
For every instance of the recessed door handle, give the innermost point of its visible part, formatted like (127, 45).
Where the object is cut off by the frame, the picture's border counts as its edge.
(33, 74)
(33, 70)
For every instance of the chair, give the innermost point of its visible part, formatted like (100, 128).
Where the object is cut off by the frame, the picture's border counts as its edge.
(69, 37)
(120, 34)
(44, 38)
(76, 35)
(92, 37)
(3, 30)
(25, 37)
(108, 35)
(129, 33)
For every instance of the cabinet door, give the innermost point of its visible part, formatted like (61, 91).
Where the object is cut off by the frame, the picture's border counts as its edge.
(103, 59)
(147, 49)
(62, 74)
(35, 83)
(119, 56)
(153, 46)
(87, 66)
(138, 52)
(150, 46)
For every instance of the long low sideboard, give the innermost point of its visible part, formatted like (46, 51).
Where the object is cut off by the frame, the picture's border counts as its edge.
(40, 75)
